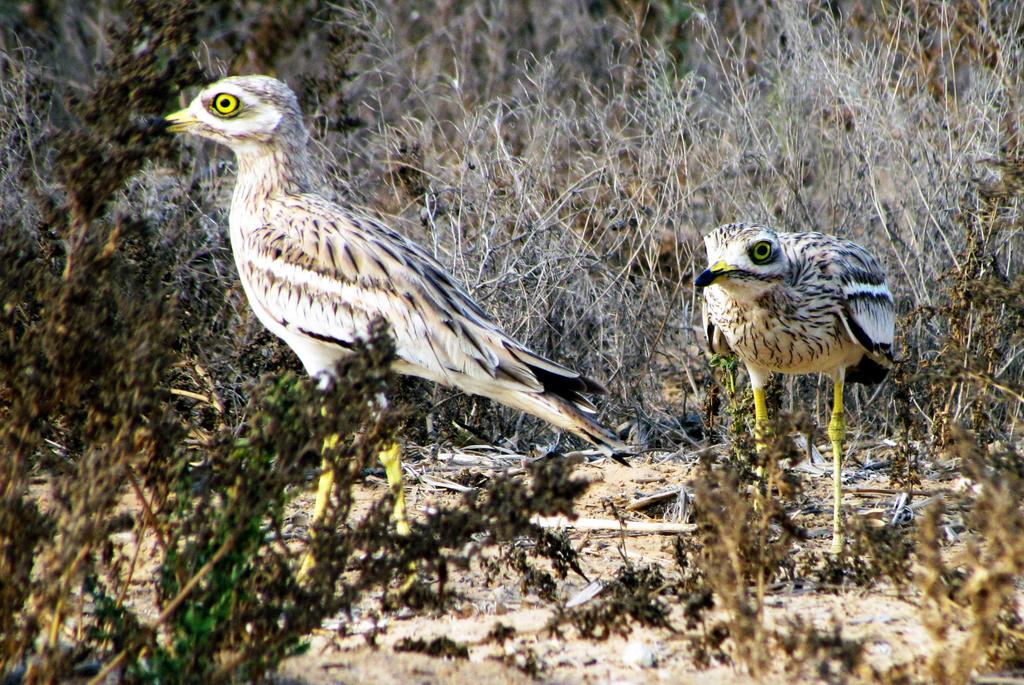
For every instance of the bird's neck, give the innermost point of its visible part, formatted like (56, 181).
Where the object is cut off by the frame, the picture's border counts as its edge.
(744, 292)
(268, 171)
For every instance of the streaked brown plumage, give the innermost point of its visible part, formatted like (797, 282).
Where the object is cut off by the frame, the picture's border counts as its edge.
(317, 273)
(821, 306)
(798, 303)
(317, 277)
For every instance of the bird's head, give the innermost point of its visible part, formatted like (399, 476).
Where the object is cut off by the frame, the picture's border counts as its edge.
(744, 259)
(246, 113)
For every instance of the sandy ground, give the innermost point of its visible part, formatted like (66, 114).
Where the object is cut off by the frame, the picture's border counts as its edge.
(889, 625)
(887, 622)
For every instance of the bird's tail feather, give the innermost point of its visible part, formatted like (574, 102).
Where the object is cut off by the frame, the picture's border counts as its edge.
(560, 412)
(870, 370)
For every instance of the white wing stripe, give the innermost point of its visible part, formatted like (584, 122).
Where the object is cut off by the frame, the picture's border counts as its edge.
(866, 290)
(875, 318)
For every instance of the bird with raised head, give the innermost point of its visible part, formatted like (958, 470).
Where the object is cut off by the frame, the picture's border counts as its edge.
(317, 274)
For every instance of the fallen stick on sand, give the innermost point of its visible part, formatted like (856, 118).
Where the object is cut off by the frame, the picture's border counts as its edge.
(612, 524)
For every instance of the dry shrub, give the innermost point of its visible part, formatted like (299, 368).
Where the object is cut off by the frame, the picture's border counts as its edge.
(871, 554)
(84, 345)
(634, 597)
(976, 590)
(562, 160)
(501, 513)
(96, 332)
(822, 654)
(743, 544)
(443, 647)
(90, 338)
(230, 605)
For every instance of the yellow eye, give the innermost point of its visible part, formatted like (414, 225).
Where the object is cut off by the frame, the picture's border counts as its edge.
(761, 252)
(224, 104)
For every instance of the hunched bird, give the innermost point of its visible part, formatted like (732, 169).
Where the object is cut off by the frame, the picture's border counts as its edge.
(798, 303)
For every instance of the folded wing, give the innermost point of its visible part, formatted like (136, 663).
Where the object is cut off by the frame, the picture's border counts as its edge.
(326, 274)
(868, 310)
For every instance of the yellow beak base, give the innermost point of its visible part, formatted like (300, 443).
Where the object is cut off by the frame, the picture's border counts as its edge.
(180, 121)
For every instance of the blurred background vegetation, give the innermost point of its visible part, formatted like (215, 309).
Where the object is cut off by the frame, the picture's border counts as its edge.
(564, 160)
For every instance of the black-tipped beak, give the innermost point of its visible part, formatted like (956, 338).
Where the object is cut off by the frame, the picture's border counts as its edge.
(152, 125)
(712, 274)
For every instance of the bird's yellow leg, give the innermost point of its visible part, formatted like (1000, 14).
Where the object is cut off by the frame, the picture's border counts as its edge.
(323, 494)
(760, 419)
(760, 435)
(391, 459)
(837, 434)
